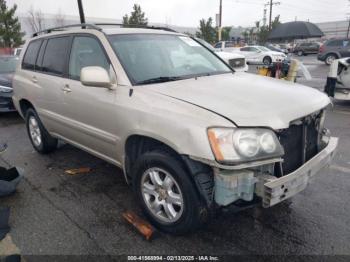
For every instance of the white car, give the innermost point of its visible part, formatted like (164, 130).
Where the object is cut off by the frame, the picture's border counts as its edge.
(260, 55)
(236, 61)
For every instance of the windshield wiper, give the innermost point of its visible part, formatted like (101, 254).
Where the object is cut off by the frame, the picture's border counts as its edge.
(160, 79)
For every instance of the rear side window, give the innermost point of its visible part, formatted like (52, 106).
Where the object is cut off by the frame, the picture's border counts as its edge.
(31, 55)
(335, 43)
(229, 44)
(55, 57)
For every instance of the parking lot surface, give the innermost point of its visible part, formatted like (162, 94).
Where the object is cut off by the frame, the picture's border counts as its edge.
(57, 214)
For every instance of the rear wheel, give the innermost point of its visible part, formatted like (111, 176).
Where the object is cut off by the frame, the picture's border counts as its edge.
(41, 140)
(330, 58)
(166, 193)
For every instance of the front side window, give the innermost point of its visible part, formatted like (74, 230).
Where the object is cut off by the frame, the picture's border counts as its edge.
(230, 44)
(31, 54)
(147, 57)
(86, 51)
(54, 59)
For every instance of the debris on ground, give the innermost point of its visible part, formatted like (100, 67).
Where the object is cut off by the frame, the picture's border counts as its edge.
(76, 171)
(3, 148)
(9, 179)
(4, 218)
(140, 224)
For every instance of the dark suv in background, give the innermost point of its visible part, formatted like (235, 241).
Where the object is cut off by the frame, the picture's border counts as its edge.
(306, 48)
(334, 49)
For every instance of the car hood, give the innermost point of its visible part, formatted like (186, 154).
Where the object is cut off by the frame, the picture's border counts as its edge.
(6, 79)
(247, 99)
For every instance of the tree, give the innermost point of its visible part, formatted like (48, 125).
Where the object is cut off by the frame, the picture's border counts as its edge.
(10, 28)
(276, 22)
(137, 17)
(207, 31)
(60, 19)
(35, 20)
(225, 33)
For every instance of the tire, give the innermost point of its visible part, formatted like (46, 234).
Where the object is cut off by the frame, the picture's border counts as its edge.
(300, 53)
(330, 58)
(41, 140)
(151, 171)
(267, 60)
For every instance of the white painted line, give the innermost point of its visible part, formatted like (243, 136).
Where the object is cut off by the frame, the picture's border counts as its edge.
(342, 112)
(340, 168)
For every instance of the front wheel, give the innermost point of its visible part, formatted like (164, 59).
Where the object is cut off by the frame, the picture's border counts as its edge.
(166, 193)
(300, 53)
(267, 60)
(41, 140)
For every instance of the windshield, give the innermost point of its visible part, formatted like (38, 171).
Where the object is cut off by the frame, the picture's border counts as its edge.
(152, 58)
(8, 64)
(263, 48)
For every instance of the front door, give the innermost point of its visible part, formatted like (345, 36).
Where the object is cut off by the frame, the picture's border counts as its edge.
(90, 111)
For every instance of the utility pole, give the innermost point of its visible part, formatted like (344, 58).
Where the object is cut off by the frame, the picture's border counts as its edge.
(264, 17)
(271, 3)
(81, 12)
(220, 19)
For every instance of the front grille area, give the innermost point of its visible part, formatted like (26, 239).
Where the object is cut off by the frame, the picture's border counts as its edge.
(237, 62)
(300, 143)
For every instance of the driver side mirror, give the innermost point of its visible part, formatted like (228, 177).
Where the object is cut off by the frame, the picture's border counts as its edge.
(95, 76)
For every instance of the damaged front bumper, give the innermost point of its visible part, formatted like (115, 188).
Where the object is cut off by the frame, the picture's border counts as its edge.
(289, 185)
(232, 185)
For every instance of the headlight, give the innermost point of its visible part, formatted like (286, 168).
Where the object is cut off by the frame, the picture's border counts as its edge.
(234, 145)
(5, 89)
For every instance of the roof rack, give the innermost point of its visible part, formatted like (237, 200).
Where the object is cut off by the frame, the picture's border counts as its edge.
(97, 27)
(138, 26)
(59, 28)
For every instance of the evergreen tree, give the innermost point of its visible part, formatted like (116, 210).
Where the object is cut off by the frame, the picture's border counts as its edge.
(10, 28)
(137, 17)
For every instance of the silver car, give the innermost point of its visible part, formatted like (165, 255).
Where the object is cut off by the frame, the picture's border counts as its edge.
(190, 134)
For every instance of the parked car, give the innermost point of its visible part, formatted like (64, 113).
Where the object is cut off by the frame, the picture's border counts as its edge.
(190, 134)
(236, 61)
(260, 55)
(7, 70)
(306, 48)
(277, 49)
(226, 46)
(334, 49)
(17, 51)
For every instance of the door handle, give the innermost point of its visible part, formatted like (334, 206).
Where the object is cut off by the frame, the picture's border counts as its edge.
(66, 89)
(34, 79)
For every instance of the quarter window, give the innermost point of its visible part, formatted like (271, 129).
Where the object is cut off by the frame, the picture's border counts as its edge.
(55, 55)
(86, 51)
(31, 55)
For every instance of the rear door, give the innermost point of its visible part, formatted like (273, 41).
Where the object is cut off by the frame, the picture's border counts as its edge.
(50, 71)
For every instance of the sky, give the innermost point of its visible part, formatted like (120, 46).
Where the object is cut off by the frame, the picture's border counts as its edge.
(189, 12)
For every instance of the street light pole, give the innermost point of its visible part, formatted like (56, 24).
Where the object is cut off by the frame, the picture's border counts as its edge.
(270, 19)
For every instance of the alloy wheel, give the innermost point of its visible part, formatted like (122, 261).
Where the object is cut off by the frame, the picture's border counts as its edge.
(162, 195)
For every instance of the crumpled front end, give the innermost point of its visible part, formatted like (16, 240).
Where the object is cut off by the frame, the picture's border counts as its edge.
(308, 148)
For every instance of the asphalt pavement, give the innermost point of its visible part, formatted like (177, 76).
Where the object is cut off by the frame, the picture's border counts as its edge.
(53, 213)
